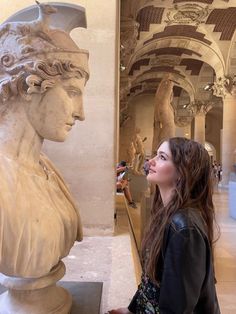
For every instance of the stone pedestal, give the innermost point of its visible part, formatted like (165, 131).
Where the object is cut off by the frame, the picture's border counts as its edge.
(86, 296)
(35, 295)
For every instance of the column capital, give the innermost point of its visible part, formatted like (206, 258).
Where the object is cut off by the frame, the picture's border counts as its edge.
(224, 86)
(199, 107)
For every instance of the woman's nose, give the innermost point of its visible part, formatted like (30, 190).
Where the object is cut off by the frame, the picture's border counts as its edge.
(152, 162)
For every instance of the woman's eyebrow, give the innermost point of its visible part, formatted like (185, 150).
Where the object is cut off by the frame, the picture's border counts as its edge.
(160, 152)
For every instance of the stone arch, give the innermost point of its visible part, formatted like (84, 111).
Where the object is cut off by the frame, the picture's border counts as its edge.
(208, 54)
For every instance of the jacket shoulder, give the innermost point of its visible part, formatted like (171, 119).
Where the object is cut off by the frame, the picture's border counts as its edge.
(182, 219)
(188, 218)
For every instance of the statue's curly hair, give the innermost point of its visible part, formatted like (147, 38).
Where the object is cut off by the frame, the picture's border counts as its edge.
(36, 77)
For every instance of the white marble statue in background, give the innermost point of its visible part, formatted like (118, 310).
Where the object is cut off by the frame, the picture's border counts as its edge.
(42, 78)
(164, 125)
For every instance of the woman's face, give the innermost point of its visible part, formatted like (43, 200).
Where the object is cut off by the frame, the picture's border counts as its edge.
(53, 115)
(161, 168)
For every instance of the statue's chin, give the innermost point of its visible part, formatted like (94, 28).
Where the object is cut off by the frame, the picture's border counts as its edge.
(57, 138)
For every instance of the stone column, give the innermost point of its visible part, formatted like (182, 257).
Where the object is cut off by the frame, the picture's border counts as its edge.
(199, 128)
(228, 136)
(200, 109)
(225, 87)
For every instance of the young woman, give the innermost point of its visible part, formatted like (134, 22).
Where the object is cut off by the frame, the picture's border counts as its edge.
(177, 255)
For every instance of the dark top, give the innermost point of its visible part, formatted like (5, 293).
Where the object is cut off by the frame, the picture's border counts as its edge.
(184, 270)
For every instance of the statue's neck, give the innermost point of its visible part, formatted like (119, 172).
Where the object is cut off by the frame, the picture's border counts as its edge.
(18, 139)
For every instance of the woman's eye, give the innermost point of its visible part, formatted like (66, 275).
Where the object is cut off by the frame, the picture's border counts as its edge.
(162, 157)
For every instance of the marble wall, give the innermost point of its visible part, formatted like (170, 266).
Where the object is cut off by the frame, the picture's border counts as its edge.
(87, 158)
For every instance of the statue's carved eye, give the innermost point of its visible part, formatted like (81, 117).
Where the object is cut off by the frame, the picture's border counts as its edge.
(73, 92)
(7, 60)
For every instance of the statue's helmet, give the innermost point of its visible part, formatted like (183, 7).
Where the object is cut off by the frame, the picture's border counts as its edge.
(25, 46)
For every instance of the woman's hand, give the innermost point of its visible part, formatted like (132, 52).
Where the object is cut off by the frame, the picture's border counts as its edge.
(119, 311)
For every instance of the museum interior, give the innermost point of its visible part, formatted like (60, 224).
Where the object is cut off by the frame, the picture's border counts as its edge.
(149, 70)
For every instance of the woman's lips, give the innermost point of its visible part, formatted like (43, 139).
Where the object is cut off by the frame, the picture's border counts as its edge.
(151, 171)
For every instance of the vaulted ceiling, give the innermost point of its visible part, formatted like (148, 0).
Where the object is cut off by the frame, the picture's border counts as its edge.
(194, 41)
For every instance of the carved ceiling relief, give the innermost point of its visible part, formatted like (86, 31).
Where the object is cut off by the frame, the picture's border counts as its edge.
(187, 14)
(128, 38)
(165, 61)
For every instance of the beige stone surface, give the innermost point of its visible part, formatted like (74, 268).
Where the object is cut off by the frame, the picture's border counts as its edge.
(199, 128)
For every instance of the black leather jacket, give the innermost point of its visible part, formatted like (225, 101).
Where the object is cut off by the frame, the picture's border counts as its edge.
(185, 268)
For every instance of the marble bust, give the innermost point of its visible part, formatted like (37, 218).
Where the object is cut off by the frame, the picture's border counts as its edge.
(42, 78)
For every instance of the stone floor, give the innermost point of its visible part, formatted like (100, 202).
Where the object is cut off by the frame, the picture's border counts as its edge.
(106, 259)
(109, 259)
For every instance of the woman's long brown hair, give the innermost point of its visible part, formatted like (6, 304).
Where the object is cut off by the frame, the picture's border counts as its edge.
(193, 189)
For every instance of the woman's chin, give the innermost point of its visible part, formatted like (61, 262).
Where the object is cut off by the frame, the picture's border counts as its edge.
(151, 178)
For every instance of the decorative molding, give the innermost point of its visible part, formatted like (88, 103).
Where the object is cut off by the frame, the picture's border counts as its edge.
(190, 13)
(128, 37)
(165, 61)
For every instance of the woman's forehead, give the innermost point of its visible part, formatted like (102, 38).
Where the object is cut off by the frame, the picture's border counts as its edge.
(164, 147)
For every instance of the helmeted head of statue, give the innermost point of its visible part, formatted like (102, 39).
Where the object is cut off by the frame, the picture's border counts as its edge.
(34, 56)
